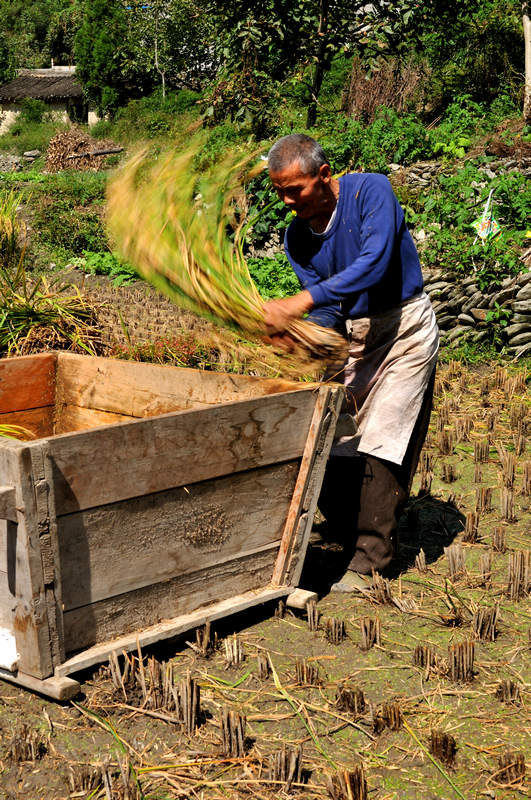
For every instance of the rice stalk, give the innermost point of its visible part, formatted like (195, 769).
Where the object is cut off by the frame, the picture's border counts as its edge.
(171, 224)
(15, 432)
(12, 230)
(35, 315)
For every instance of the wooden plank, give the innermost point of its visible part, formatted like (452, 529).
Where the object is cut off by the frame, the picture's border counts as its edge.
(7, 598)
(170, 628)
(37, 420)
(25, 579)
(8, 505)
(310, 477)
(146, 390)
(123, 546)
(74, 418)
(293, 566)
(50, 554)
(147, 606)
(57, 687)
(130, 459)
(27, 382)
(300, 598)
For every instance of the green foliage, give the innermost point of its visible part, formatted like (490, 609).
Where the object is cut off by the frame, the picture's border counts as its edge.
(101, 129)
(469, 352)
(170, 42)
(474, 47)
(25, 305)
(69, 230)
(107, 263)
(6, 60)
(67, 211)
(101, 48)
(218, 142)
(446, 214)
(32, 110)
(11, 230)
(150, 117)
(22, 136)
(273, 276)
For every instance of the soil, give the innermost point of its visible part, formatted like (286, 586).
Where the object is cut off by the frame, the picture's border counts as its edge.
(83, 749)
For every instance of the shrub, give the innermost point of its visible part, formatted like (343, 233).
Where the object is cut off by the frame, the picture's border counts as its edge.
(22, 136)
(106, 263)
(32, 110)
(273, 276)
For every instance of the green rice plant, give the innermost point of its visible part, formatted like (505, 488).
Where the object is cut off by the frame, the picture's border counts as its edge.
(171, 223)
(36, 315)
(12, 231)
(15, 432)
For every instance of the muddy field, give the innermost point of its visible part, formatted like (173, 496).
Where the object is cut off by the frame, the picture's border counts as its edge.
(423, 683)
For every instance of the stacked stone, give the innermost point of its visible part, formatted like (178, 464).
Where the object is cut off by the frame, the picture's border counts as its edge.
(10, 163)
(518, 332)
(424, 173)
(461, 308)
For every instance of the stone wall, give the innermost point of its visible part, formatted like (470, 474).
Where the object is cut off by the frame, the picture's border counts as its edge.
(461, 308)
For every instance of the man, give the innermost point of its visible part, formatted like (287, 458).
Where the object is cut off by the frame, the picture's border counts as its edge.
(360, 273)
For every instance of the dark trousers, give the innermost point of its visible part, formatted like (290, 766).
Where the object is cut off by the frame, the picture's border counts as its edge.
(362, 497)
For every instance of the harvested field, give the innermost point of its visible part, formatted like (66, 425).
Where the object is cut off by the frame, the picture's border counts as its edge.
(424, 683)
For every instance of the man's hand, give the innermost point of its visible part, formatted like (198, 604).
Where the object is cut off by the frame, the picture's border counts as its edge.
(281, 341)
(279, 313)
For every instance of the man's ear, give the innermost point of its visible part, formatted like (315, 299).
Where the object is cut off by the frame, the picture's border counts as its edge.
(325, 173)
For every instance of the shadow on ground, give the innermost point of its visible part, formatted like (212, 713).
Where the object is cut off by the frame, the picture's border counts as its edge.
(428, 523)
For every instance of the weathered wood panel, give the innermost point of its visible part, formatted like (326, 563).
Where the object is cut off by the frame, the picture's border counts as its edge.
(124, 546)
(37, 420)
(127, 460)
(145, 390)
(306, 493)
(24, 567)
(170, 628)
(137, 610)
(75, 418)
(27, 382)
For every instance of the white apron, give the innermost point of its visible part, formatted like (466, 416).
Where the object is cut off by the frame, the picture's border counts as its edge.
(391, 358)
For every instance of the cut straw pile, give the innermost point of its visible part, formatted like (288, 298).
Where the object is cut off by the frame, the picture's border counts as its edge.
(171, 224)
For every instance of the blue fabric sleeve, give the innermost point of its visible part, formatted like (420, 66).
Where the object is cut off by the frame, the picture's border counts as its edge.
(327, 316)
(378, 237)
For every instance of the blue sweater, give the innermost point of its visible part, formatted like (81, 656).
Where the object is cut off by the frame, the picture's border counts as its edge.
(366, 263)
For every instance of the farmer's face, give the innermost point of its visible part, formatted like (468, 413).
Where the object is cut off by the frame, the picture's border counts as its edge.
(307, 195)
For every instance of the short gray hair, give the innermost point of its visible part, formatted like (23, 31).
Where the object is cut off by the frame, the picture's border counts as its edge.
(296, 147)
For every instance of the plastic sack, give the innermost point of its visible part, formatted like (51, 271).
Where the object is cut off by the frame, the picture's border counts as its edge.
(486, 226)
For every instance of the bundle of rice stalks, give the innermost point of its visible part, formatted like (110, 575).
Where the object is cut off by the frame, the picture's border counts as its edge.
(171, 224)
(37, 316)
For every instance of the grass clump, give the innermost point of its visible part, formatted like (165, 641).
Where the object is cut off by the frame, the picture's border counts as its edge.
(22, 135)
(33, 314)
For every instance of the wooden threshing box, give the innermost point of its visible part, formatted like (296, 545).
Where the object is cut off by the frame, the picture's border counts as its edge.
(152, 500)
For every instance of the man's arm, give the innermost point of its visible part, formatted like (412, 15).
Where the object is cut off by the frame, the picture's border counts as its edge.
(381, 218)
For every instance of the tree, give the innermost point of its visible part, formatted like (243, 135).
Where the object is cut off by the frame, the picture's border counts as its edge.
(526, 14)
(261, 43)
(170, 40)
(6, 61)
(106, 62)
